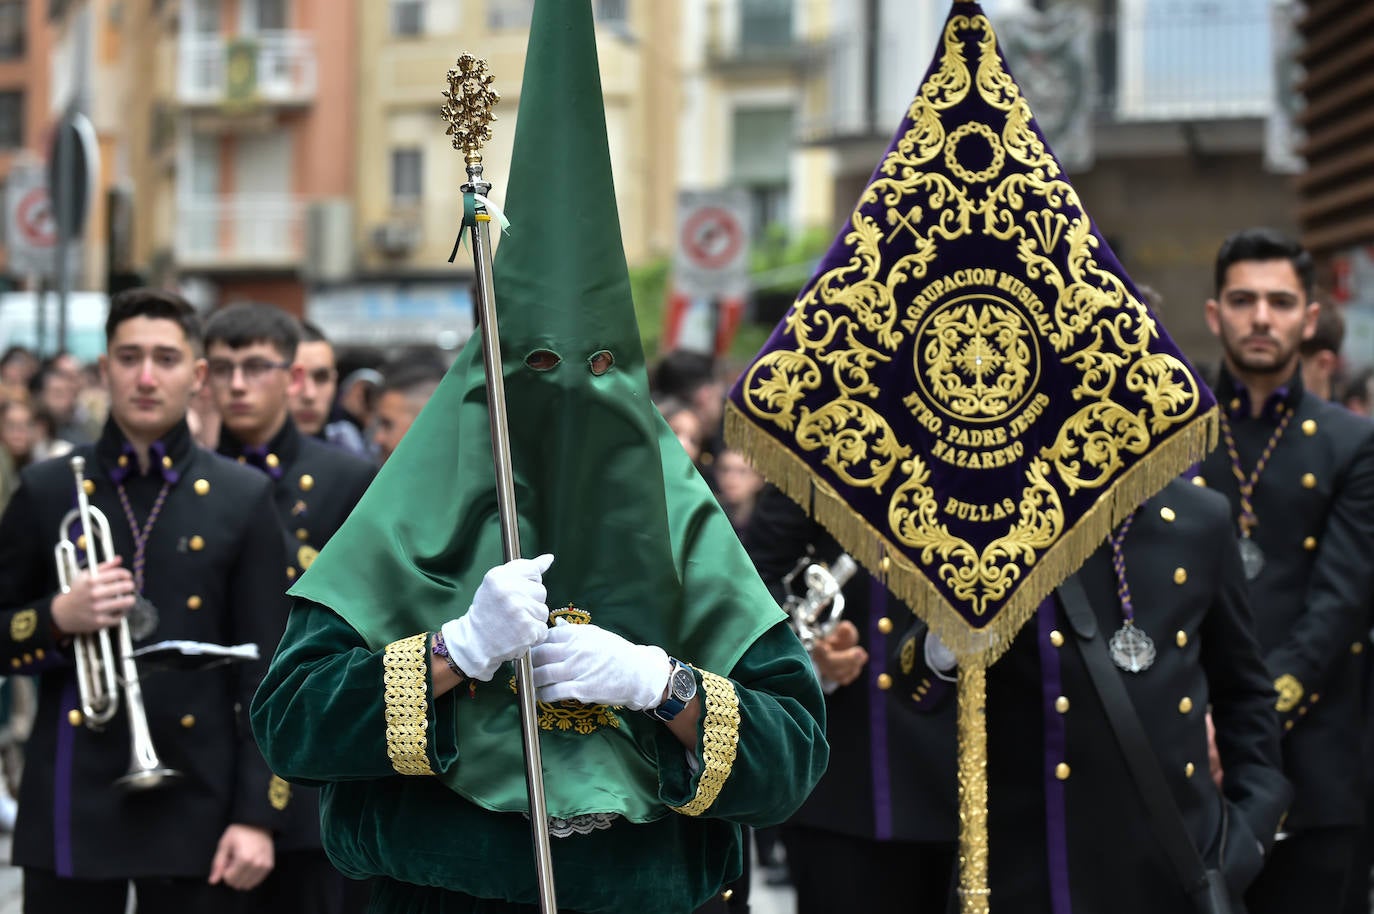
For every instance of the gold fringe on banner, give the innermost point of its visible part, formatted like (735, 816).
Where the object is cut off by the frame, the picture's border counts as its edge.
(872, 548)
(975, 648)
(974, 888)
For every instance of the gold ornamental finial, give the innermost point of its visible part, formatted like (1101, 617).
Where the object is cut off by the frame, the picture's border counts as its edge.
(468, 103)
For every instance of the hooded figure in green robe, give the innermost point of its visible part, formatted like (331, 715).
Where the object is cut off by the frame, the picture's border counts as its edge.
(644, 558)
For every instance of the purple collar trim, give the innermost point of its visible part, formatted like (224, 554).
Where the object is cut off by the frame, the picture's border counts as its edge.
(256, 457)
(159, 464)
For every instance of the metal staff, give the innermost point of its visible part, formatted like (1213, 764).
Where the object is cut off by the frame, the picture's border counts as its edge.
(467, 110)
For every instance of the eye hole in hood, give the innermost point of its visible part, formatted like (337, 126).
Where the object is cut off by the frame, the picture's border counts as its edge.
(601, 362)
(543, 360)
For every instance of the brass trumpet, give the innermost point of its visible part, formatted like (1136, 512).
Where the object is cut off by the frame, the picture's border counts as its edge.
(101, 675)
(816, 613)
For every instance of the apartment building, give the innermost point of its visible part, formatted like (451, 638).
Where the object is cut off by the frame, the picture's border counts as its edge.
(407, 205)
(1336, 190)
(749, 77)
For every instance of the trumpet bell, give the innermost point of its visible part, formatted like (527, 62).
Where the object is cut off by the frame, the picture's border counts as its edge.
(147, 779)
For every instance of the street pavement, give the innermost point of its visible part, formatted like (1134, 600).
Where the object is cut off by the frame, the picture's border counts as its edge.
(765, 899)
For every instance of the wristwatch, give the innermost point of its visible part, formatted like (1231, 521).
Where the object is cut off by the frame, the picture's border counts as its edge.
(682, 688)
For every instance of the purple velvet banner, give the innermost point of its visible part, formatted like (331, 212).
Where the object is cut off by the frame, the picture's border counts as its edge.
(970, 391)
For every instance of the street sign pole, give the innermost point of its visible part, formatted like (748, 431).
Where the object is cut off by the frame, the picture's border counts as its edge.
(40, 323)
(63, 192)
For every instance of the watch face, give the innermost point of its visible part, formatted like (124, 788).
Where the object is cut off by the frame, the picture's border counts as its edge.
(684, 684)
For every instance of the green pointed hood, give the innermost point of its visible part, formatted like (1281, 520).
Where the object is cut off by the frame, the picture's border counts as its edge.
(601, 481)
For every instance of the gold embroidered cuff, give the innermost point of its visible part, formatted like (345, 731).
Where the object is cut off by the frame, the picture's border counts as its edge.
(721, 738)
(1290, 692)
(406, 687)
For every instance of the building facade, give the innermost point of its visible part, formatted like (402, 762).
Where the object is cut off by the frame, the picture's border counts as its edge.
(1178, 100)
(1336, 192)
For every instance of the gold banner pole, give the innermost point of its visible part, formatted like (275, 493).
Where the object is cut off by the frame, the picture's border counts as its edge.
(467, 110)
(974, 891)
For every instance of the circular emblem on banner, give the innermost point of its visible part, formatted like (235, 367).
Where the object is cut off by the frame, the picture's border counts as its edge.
(976, 358)
(979, 160)
(712, 237)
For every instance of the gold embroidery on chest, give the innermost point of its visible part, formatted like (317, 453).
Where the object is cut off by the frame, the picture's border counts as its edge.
(573, 716)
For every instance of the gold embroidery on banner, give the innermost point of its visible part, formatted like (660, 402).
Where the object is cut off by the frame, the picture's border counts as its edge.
(980, 358)
(1290, 692)
(406, 692)
(278, 793)
(975, 393)
(720, 741)
(23, 625)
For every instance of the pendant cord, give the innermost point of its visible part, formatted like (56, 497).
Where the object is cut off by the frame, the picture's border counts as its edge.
(1247, 520)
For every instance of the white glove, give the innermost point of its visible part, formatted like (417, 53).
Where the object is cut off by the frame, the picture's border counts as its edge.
(938, 657)
(589, 664)
(507, 617)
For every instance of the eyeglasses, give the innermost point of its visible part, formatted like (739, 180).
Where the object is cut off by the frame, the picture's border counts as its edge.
(254, 370)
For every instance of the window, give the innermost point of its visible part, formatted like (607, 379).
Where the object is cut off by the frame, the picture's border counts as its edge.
(406, 172)
(11, 120)
(1182, 59)
(203, 17)
(509, 14)
(611, 12)
(268, 15)
(765, 23)
(12, 13)
(761, 161)
(407, 17)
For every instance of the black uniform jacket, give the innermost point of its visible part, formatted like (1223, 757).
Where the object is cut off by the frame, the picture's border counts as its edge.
(1065, 816)
(216, 572)
(1315, 505)
(315, 486)
(891, 774)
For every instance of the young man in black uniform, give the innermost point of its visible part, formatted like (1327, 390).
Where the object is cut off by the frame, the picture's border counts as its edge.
(251, 350)
(1064, 805)
(878, 833)
(1299, 474)
(312, 402)
(196, 537)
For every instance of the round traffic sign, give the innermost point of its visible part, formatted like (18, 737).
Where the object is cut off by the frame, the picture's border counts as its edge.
(34, 218)
(712, 237)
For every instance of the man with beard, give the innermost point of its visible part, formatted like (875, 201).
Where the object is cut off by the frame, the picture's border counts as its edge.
(1299, 474)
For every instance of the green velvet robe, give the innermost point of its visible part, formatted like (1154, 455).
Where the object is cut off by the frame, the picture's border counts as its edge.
(319, 717)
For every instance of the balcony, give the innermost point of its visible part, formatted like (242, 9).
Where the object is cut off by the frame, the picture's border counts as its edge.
(246, 231)
(755, 36)
(506, 15)
(1156, 62)
(270, 68)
